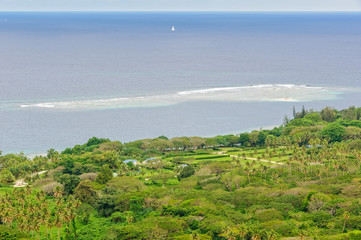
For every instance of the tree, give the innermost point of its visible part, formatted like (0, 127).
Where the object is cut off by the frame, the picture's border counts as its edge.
(70, 182)
(111, 146)
(244, 138)
(270, 140)
(84, 212)
(162, 178)
(118, 217)
(125, 184)
(286, 120)
(105, 175)
(346, 216)
(261, 138)
(303, 112)
(314, 117)
(294, 112)
(253, 138)
(96, 141)
(219, 167)
(163, 137)
(6, 177)
(328, 114)
(52, 154)
(86, 192)
(187, 171)
(334, 131)
(227, 179)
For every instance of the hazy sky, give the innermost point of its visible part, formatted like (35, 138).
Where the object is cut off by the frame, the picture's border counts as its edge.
(180, 5)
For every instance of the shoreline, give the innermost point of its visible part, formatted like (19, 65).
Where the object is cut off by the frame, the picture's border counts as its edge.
(32, 154)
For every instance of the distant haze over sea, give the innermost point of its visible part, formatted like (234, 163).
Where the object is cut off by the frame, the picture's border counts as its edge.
(66, 77)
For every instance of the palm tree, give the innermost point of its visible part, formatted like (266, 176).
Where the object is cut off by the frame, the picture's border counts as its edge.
(229, 234)
(58, 192)
(248, 171)
(21, 197)
(273, 235)
(38, 196)
(243, 230)
(28, 191)
(66, 218)
(49, 225)
(8, 217)
(58, 223)
(265, 168)
(43, 219)
(346, 216)
(21, 223)
(256, 236)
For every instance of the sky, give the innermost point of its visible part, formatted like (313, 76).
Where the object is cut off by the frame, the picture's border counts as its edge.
(180, 5)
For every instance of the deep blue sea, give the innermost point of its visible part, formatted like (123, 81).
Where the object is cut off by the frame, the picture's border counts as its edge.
(66, 77)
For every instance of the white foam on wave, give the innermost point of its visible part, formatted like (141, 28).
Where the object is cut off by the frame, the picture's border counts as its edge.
(254, 93)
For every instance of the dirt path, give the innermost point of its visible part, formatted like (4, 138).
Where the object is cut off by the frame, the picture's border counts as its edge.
(21, 182)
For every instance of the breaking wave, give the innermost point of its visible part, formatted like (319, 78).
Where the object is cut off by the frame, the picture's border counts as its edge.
(256, 93)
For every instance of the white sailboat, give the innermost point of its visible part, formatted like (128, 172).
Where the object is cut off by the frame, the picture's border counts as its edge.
(173, 28)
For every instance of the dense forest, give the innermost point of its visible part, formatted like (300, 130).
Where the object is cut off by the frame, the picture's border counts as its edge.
(301, 180)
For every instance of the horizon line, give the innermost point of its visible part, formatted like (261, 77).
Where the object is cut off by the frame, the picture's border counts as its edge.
(190, 11)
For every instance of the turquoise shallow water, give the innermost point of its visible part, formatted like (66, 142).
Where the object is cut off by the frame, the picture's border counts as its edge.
(65, 77)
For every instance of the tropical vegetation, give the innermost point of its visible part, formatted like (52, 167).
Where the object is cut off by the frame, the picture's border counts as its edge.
(301, 180)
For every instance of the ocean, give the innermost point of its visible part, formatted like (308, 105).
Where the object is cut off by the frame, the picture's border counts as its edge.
(68, 76)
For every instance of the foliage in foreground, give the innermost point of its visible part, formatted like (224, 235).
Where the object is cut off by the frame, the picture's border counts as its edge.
(299, 181)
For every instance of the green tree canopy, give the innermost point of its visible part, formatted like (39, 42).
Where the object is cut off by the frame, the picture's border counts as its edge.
(333, 131)
(105, 175)
(6, 177)
(70, 182)
(86, 192)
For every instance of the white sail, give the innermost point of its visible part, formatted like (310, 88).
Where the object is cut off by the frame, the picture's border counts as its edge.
(173, 28)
